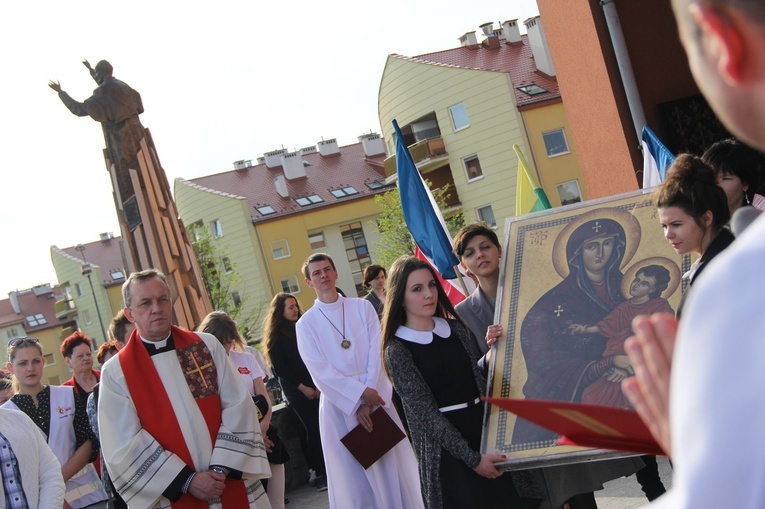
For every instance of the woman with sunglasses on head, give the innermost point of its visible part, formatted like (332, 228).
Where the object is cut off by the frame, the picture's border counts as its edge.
(431, 358)
(63, 420)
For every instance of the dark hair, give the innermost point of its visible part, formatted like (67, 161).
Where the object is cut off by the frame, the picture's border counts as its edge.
(692, 186)
(73, 341)
(117, 327)
(662, 276)
(395, 314)
(371, 273)
(137, 277)
(316, 257)
(732, 157)
(110, 347)
(466, 233)
(275, 325)
(223, 327)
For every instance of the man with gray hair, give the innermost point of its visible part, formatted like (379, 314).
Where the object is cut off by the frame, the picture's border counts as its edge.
(177, 424)
(706, 415)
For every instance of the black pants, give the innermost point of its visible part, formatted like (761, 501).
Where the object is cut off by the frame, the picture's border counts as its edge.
(307, 411)
(649, 479)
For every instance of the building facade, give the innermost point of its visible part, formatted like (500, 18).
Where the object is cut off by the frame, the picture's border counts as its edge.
(91, 276)
(461, 111)
(269, 217)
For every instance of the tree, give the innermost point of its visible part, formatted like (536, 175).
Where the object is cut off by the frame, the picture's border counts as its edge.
(220, 276)
(395, 239)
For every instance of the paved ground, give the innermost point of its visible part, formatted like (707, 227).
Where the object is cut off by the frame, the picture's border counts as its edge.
(618, 494)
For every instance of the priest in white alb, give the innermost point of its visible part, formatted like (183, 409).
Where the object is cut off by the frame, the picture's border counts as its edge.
(178, 428)
(339, 341)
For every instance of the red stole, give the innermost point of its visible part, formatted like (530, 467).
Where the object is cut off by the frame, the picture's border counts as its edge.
(151, 400)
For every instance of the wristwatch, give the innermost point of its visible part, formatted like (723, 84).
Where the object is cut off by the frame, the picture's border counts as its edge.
(220, 470)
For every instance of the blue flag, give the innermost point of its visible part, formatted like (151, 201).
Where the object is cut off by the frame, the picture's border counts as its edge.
(422, 215)
(656, 159)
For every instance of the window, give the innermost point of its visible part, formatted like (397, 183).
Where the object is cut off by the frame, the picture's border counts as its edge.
(569, 192)
(35, 320)
(309, 200)
(459, 116)
(117, 274)
(486, 214)
(532, 90)
(227, 268)
(266, 210)
(78, 289)
(236, 298)
(357, 253)
(555, 143)
(11, 333)
(290, 284)
(345, 191)
(280, 249)
(317, 241)
(472, 167)
(216, 228)
(49, 359)
(375, 184)
(86, 317)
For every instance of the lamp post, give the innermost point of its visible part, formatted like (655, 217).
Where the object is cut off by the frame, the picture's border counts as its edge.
(86, 271)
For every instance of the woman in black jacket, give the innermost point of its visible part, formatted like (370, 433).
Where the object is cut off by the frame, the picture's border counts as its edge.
(280, 345)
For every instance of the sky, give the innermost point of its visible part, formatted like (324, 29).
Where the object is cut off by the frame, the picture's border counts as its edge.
(218, 84)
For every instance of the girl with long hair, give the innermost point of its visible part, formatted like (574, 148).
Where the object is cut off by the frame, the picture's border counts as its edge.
(223, 327)
(431, 358)
(300, 392)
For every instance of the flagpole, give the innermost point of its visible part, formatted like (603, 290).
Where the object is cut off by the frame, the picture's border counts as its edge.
(462, 281)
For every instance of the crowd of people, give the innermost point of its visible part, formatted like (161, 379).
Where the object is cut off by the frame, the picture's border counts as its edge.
(183, 419)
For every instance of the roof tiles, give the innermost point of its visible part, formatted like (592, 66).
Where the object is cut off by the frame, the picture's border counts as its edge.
(351, 167)
(515, 59)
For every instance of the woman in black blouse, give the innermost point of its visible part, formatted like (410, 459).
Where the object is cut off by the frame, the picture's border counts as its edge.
(280, 347)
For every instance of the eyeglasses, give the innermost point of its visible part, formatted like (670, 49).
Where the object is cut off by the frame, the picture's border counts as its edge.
(17, 341)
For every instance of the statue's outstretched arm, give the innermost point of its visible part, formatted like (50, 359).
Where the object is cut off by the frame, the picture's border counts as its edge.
(89, 68)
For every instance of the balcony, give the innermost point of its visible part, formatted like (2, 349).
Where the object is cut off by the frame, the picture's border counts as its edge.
(65, 309)
(428, 155)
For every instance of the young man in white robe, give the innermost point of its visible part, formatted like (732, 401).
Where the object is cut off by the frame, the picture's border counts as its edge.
(178, 428)
(339, 341)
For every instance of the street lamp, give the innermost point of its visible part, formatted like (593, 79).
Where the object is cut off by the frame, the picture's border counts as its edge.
(86, 271)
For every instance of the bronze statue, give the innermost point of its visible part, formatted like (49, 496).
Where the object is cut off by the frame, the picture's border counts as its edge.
(116, 106)
(149, 221)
